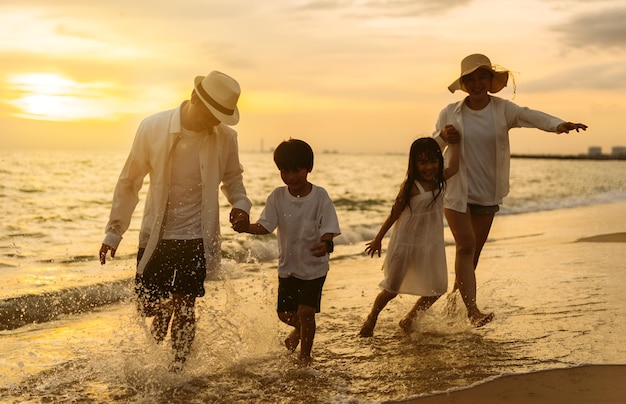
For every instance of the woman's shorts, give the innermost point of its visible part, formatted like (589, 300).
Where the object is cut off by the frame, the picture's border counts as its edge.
(176, 267)
(482, 210)
(293, 292)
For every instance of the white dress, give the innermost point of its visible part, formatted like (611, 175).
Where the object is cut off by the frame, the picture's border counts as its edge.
(415, 263)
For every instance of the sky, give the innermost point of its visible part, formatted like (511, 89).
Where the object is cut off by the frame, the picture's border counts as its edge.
(355, 76)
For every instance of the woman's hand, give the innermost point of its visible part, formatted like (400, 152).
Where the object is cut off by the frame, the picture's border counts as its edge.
(567, 126)
(450, 134)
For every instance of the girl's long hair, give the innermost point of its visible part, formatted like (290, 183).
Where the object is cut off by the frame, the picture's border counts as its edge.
(428, 149)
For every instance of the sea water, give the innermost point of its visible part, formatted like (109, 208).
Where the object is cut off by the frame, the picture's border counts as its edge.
(72, 332)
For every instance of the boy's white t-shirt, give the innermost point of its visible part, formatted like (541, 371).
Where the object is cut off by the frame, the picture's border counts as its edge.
(301, 222)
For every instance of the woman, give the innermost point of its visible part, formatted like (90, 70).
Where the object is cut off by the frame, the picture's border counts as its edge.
(473, 195)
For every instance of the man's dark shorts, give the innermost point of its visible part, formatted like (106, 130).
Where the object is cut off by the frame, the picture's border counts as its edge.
(176, 267)
(482, 210)
(293, 292)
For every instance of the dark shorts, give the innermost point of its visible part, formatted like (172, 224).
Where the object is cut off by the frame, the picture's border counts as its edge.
(293, 292)
(176, 267)
(482, 210)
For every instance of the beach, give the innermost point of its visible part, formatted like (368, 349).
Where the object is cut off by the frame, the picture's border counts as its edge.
(583, 384)
(554, 280)
(552, 271)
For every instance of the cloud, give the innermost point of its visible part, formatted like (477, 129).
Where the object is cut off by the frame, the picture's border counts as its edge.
(385, 9)
(606, 76)
(602, 29)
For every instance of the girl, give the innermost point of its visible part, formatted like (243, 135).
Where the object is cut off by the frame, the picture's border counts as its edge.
(416, 259)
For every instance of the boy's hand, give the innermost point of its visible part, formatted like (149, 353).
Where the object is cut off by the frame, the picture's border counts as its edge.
(319, 249)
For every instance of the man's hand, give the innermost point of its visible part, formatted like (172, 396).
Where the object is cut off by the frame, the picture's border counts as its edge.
(103, 253)
(239, 220)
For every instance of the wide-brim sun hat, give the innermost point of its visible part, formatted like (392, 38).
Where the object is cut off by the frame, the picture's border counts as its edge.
(219, 93)
(476, 61)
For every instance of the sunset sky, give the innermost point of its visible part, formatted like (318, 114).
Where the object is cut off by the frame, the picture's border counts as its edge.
(349, 75)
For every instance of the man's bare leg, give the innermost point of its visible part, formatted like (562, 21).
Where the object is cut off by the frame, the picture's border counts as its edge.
(183, 327)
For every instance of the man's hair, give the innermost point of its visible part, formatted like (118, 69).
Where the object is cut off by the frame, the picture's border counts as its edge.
(293, 155)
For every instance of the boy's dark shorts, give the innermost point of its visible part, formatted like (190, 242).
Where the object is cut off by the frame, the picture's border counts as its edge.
(176, 267)
(293, 292)
(482, 209)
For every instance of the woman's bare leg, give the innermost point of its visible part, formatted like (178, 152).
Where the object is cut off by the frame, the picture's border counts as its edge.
(462, 229)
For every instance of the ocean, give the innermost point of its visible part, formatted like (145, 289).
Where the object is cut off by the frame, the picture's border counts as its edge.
(69, 332)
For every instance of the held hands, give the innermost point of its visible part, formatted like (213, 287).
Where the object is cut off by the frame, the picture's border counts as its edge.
(450, 134)
(239, 220)
(567, 126)
(103, 253)
(373, 247)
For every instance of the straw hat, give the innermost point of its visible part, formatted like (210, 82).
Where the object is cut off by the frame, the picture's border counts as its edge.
(220, 94)
(477, 61)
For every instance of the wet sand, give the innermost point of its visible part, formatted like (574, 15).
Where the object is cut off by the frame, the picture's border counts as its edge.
(554, 279)
(584, 384)
(601, 383)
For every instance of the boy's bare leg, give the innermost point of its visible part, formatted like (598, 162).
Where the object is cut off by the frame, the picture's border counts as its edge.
(306, 315)
(367, 330)
(422, 304)
(293, 339)
(183, 327)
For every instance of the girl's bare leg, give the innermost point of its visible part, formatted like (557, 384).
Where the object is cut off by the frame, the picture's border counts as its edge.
(422, 304)
(367, 330)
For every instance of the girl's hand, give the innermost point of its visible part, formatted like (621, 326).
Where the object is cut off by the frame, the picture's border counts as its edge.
(372, 247)
(567, 126)
(450, 134)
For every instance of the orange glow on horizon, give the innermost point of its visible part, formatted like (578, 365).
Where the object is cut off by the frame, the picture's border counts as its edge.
(54, 97)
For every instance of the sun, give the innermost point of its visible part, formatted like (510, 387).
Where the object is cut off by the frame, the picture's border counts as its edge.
(54, 97)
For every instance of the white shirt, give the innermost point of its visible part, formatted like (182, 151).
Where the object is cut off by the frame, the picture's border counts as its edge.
(506, 115)
(150, 155)
(182, 219)
(480, 155)
(301, 222)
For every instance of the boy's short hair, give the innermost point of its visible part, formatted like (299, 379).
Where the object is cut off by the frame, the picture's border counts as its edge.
(293, 155)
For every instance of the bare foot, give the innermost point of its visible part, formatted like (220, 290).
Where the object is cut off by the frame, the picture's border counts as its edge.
(304, 361)
(292, 341)
(367, 330)
(177, 366)
(406, 324)
(481, 319)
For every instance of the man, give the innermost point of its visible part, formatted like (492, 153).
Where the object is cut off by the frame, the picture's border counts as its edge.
(187, 152)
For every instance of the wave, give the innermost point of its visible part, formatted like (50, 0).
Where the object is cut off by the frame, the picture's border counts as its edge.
(19, 311)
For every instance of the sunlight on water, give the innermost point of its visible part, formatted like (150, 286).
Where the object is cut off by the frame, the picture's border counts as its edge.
(557, 303)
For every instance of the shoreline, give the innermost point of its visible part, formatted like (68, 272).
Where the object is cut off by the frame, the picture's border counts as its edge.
(580, 384)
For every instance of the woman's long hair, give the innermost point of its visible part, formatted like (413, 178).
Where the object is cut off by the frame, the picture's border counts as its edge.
(425, 148)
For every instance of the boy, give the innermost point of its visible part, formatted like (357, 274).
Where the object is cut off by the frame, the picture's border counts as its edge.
(307, 222)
